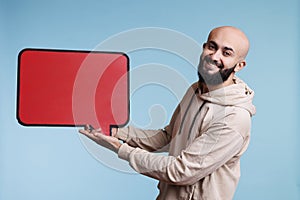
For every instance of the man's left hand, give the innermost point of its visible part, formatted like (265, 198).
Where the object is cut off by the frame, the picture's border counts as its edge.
(97, 136)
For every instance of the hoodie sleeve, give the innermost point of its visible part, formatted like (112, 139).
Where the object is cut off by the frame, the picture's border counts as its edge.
(221, 142)
(150, 140)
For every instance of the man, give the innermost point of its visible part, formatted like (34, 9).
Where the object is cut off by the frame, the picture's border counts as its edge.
(208, 132)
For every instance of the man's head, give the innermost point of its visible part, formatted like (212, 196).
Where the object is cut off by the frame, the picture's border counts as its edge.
(223, 54)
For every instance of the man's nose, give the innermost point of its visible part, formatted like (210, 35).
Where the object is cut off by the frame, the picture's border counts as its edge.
(216, 56)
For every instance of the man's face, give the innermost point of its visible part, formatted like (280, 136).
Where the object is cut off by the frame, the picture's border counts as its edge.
(219, 58)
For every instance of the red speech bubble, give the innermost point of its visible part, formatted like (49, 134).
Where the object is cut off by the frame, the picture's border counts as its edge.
(73, 88)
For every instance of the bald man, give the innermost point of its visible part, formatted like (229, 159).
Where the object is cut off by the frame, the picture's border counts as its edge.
(208, 133)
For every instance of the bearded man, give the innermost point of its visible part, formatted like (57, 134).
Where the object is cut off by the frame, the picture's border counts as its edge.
(208, 133)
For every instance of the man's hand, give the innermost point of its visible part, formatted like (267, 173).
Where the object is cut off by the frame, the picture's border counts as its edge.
(97, 136)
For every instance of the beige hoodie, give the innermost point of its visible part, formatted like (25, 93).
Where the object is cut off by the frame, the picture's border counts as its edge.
(205, 139)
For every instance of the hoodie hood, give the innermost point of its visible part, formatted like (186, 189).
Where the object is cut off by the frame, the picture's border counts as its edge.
(238, 94)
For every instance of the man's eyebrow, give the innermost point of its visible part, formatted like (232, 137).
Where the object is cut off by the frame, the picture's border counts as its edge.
(215, 44)
(212, 42)
(228, 48)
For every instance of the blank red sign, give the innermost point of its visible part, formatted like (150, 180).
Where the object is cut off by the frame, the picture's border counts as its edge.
(73, 88)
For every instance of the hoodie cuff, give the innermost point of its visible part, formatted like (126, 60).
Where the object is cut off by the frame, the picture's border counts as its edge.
(122, 134)
(124, 151)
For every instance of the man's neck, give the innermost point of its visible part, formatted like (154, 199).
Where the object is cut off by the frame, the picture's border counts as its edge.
(208, 88)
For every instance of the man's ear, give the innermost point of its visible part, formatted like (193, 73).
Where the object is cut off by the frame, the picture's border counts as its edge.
(240, 66)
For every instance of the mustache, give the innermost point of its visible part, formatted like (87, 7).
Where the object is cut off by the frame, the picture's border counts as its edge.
(210, 61)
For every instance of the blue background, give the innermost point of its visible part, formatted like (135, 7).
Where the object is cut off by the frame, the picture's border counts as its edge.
(52, 163)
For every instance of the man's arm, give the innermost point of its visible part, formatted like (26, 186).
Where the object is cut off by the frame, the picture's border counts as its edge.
(149, 140)
(221, 142)
(204, 155)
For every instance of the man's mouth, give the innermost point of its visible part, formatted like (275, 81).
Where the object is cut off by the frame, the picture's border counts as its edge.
(213, 66)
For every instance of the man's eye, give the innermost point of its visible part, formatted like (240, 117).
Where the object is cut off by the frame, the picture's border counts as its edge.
(211, 47)
(227, 53)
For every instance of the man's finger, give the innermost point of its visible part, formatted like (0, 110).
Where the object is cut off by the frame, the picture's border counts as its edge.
(89, 127)
(84, 132)
(94, 134)
(88, 134)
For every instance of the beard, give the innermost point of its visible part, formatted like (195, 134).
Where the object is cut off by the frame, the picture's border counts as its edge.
(214, 79)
